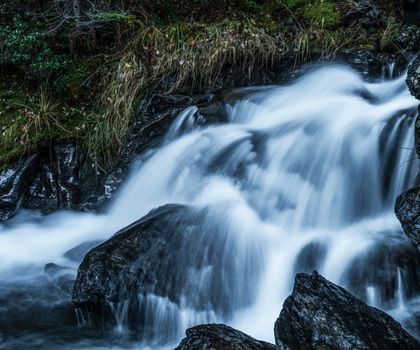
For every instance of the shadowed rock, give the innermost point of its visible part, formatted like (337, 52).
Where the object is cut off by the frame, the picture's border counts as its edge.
(321, 315)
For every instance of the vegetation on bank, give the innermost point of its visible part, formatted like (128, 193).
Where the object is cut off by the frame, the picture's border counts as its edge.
(75, 70)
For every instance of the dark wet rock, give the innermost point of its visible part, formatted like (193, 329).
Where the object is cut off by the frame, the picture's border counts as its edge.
(56, 185)
(321, 315)
(218, 337)
(13, 181)
(413, 78)
(134, 260)
(407, 209)
(77, 253)
(49, 180)
(365, 13)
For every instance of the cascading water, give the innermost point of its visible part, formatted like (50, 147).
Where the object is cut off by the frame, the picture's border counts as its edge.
(302, 177)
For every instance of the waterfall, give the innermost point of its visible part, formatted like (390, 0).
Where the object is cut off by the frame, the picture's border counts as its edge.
(302, 177)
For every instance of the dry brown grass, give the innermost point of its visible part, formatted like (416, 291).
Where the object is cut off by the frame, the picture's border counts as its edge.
(193, 54)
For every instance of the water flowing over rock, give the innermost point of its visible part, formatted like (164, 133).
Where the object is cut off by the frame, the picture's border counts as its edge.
(218, 337)
(322, 315)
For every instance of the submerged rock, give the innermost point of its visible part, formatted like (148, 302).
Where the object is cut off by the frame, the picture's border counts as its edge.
(218, 337)
(321, 315)
(407, 209)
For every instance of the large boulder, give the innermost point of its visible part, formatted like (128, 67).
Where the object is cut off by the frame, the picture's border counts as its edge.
(407, 209)
(218, 337)
(321, 315)
(181, 255)
(134, 260)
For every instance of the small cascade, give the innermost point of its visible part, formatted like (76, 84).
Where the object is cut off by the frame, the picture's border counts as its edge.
(371, 296)
(387, 71)
(120, 312)
(400, 311)
(80, 317)
(185, 122)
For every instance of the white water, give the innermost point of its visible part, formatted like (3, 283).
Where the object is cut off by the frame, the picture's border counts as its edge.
(302, 177)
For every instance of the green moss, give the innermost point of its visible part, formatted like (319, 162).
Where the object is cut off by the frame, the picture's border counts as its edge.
(321, 14)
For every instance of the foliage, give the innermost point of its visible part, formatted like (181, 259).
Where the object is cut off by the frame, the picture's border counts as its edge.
(30, 120)
(24, 45)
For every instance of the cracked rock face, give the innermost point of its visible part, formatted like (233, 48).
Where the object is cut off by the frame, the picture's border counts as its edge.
(322, 315)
